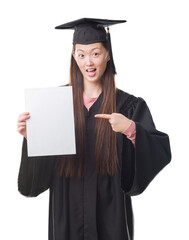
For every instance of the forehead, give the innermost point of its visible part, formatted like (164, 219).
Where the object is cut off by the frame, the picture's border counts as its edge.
(89, 47)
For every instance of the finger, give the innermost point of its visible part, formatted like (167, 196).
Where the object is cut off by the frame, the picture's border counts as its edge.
(21, 124)
(111, 121)
(23, 114)
(23, 118)
(20, 129)
(105, 116)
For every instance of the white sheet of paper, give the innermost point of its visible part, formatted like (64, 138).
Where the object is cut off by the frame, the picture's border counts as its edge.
(50, 129)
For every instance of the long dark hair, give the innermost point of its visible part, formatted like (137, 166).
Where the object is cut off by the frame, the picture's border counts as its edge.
(106, 148)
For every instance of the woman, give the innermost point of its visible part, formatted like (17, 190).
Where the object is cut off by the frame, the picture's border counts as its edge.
(119, 150)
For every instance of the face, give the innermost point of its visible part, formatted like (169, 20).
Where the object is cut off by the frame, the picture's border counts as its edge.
(91, 60)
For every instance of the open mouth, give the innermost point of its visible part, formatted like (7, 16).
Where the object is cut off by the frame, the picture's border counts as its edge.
(91, 72)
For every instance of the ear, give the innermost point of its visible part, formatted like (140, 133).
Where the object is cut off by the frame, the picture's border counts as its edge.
(108, 57)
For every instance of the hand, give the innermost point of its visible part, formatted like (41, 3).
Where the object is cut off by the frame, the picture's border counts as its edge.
(118, 121)
(21, 124)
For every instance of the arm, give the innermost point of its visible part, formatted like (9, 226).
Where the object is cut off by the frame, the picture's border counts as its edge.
(35, 173)
(130, 132)
(150, 155)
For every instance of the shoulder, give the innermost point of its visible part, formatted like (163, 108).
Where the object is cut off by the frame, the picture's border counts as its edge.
(125, 101)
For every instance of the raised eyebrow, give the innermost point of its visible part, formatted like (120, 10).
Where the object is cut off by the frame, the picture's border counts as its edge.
(79, 50)
(95, 48)
(90, 50)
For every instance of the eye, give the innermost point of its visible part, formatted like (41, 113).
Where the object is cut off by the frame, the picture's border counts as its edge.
(81, 55)
(95, 54)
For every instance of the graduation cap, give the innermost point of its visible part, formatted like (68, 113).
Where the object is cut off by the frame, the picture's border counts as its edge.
(92, 30)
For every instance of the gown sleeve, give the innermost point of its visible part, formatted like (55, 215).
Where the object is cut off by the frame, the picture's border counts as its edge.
(35, 173)
(150, 155)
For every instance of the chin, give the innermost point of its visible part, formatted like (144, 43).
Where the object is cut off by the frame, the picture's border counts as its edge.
(95, 80)
(92, 79)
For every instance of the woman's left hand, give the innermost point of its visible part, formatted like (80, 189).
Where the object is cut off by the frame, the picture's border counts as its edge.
(118, 121)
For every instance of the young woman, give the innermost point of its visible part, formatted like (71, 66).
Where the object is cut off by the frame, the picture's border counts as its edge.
(119, 150)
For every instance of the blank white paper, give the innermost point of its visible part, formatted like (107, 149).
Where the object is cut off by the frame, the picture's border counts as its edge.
(50, 129)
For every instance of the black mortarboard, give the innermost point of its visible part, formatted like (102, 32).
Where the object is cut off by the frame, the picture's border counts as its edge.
(90, 30)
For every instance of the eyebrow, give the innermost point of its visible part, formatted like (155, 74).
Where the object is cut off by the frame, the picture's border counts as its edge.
(90, 50)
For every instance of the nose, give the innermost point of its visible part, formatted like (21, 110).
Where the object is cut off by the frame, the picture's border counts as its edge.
(89, 61)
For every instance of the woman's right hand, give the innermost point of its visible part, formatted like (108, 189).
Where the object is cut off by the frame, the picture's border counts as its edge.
(21, 124)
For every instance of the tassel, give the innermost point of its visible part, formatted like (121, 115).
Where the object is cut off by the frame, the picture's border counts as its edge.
(110, 51)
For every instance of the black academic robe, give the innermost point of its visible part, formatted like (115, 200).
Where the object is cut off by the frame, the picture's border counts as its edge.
(99, 208)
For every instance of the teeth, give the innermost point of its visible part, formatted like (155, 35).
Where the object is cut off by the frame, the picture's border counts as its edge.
(90, 70)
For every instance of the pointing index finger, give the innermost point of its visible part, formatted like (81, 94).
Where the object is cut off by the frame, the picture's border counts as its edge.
(105, 116)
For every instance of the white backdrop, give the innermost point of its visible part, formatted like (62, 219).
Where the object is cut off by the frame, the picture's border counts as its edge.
(151, 54)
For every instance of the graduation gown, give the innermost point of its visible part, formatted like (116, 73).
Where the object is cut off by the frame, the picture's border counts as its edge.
(99, 208)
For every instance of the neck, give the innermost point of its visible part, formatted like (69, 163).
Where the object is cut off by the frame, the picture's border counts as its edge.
(92, 89)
